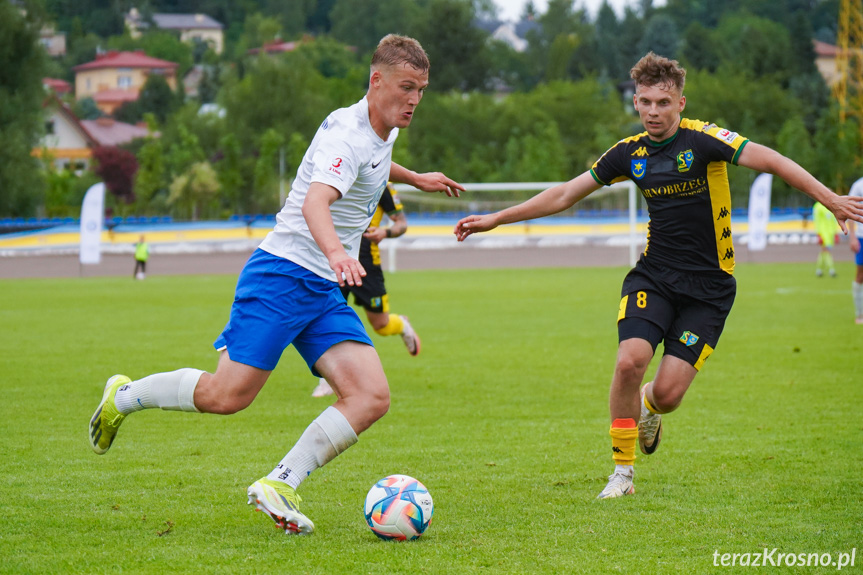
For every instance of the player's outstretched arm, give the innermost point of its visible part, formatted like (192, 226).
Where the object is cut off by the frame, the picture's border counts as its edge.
(550, 201)
(427, 182)
(316, 211)
(765, 159)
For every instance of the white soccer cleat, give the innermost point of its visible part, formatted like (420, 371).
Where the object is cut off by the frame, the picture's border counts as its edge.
(323, 389)
(281, 502)
(410, 337)
(619, 484)
(649, 429)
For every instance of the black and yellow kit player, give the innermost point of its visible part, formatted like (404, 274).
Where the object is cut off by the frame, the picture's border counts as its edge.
(682, 285)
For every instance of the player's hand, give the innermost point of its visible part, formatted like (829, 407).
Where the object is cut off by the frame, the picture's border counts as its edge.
(855, 243)
(473, 224)
(348, 270)
(437, 182)
(847, 208)
(375, 234)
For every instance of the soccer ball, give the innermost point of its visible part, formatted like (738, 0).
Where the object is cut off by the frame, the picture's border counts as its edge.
(398, 507)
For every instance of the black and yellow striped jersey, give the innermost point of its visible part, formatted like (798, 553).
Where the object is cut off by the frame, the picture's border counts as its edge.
(684, 180)
(370, 253)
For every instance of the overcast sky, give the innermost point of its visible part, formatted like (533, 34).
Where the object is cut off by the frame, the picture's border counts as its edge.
(512, 9)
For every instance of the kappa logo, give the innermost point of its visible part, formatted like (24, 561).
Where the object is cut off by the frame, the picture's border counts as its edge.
(688, 338)
(639, 168)
(641, 152)
(616, 449)
(684, 161)
(723, 213)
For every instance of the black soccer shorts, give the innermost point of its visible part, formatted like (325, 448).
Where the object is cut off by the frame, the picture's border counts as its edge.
(372, 295)
(684, 310)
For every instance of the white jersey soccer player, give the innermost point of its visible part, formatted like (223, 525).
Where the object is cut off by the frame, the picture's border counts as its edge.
(856, 243)
(348, 155)
(289, 292)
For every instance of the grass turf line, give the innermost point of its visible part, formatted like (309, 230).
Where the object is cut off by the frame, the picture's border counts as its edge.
(503, 416)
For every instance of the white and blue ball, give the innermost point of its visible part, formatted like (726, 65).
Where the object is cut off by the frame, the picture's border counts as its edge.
(398, 507)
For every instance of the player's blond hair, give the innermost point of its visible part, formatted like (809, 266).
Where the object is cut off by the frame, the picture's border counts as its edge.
(394, 50)
(653, 70)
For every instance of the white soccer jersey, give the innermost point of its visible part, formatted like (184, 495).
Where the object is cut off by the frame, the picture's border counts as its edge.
(348, 155)
(857, 190)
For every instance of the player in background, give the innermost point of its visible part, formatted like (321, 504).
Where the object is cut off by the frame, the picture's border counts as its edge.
(682, 288)
(372, 295)
(856, 241)
(289, 291)
(826, 228)
(142, 254)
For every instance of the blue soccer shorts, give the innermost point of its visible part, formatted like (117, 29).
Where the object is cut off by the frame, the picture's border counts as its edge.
(858, 257)
(278, 303)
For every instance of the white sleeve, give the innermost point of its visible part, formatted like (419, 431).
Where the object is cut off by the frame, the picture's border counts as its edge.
(334, 164)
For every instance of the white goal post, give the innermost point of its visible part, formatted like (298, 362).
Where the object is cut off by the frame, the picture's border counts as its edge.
(629, 185)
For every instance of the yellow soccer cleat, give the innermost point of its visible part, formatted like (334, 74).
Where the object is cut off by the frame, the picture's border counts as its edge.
(281, 502)
(106, 421)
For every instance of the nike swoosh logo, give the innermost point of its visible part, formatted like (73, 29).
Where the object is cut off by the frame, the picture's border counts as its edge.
(378, 164)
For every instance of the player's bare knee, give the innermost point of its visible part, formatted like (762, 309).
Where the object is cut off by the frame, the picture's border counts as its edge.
(631, 368)
(666, 399)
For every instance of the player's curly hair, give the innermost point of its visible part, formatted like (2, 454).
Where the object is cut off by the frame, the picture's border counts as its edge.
(393, 50)
(653, 70)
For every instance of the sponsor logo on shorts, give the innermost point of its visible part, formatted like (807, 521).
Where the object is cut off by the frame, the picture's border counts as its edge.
(689, 338)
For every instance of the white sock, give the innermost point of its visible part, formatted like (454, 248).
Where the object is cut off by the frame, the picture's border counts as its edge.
(624, 469)
(325, 438)
(174, 391)
(857, 290)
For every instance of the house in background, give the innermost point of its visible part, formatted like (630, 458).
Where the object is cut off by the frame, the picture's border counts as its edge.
(825, 60)
(68, 142)
(59, 87)
(54, 42)
(114, 78)
(190, 27)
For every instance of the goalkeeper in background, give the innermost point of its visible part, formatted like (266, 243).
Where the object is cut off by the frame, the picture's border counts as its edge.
(827, 230)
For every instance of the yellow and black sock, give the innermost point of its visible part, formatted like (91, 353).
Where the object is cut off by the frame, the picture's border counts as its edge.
(624, 433)
(394, 326)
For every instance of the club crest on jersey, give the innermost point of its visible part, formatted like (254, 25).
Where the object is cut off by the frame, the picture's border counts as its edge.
(684, 161)
(639, 168)
(688, 338)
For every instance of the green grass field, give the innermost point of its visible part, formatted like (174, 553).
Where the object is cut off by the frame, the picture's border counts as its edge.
(503, 416)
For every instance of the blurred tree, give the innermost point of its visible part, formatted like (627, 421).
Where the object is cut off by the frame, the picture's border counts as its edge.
(362, 23)
(660, 36)
(117, 168)
(86, 109)
(194, 193)
(229, 171)
(151, 178)
(457, 49)
(21, 113)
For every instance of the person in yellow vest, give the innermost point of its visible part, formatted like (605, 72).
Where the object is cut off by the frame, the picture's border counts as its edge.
(827, 229)
(142, 253)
